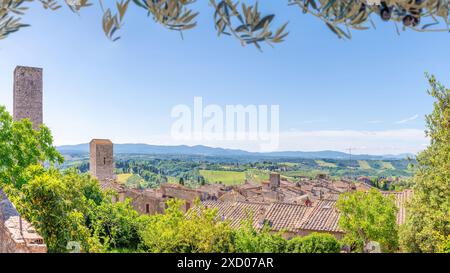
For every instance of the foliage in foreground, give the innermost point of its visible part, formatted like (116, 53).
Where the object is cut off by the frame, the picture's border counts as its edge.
(200, 230)
(197, 232)
(366, 217)
(244, 21)
(67, 207)
(427, 228)
(21, 146)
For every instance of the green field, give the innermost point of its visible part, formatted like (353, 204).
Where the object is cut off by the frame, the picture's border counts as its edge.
(256, 175)
(364, 165)
(226, 177)
(322, 163)
(123, 177)
(288, 164)
(387, 165)
(173, 180)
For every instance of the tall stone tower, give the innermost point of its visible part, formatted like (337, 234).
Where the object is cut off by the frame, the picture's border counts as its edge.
(101, 163)
(28, 94)
(275, 180)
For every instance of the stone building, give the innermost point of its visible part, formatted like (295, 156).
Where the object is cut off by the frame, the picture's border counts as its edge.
(101, 161)
(275, 180)
(147, 201)
(17, 235)
(206, 192)
(28, 95)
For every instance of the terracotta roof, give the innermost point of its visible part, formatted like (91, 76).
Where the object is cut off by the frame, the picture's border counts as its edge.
(236, 212)
(323, 216)
(400, 200)
(232, 196)
(286, 216)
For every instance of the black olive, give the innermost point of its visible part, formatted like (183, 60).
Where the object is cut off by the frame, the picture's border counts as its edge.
(416, 21)
(408, 20)
(362, 8)
(385, 14)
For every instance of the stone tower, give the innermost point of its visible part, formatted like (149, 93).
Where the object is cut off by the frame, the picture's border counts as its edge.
(275, 180)
(101, 163)
(28, 94)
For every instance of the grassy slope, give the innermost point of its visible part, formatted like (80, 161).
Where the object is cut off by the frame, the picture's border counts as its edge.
(387, 165)
(123, 177)
(364, 165)
(322, 163)
(226, 177)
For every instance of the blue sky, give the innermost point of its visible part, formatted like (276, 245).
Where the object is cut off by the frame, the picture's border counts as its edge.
(368, 93)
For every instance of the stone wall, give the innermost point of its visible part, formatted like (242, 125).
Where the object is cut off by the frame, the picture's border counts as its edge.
(28, 94)
(143, 201)
(181, 192)
(16, 234)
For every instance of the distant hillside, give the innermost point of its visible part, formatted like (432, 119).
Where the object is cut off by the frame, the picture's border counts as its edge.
(210, 151)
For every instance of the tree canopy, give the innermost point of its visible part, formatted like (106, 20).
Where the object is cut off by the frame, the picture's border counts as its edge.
(21, 146)
(368, 216)
(427, 228)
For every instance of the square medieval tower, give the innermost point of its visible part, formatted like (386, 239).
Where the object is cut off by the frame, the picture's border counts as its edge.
(28, 95)
(101, 162)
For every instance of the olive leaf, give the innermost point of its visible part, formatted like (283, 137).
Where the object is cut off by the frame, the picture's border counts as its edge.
(246, 24)
(172, 14)
(50, 4)
(356, 14)
(77, 5)
(111, 23)
(10, 11)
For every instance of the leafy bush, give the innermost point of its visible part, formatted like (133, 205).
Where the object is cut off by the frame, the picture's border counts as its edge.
(199, 231)
(368, 216)
(314, 243)
(249, 240)
(68, 206)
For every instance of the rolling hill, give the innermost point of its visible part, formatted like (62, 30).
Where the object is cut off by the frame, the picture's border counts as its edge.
(211, 151)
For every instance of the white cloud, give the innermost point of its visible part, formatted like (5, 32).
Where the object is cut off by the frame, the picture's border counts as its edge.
(407, 119)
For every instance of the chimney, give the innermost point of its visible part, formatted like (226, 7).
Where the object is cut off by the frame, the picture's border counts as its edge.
(261, 218)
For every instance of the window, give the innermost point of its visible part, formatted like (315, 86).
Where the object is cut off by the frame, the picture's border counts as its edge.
(147, 208)
(104, 161)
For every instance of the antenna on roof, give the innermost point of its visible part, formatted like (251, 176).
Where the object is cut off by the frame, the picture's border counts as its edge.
(350, 155)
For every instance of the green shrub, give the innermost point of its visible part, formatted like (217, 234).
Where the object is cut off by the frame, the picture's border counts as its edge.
(249, 240)
(314, 243)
